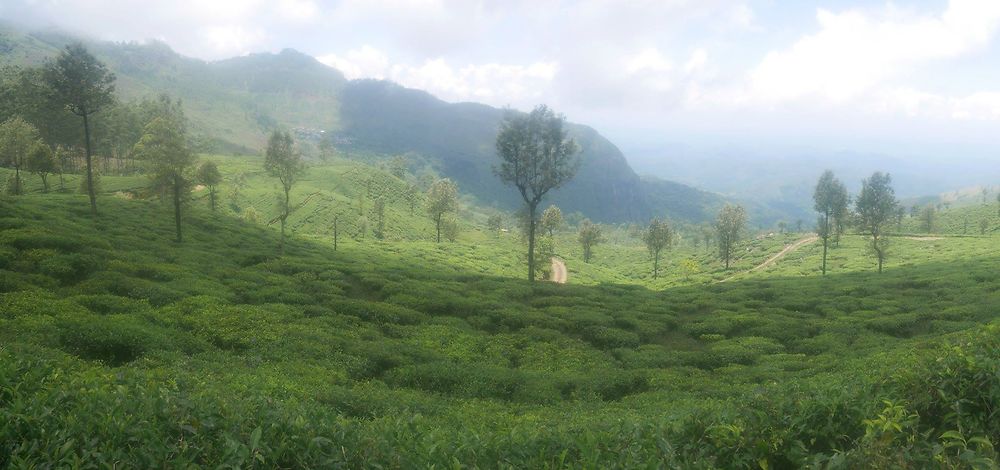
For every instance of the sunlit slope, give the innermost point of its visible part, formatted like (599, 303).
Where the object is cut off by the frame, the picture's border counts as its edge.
(217, 351)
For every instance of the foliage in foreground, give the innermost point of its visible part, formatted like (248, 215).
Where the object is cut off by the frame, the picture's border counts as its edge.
(121, 347)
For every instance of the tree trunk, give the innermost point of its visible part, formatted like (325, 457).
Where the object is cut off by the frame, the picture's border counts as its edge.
(90, 171)
(281, 242)
(334, 234)
(284, 218)
(826, 238)
(531, 242)
(17, 180)
(177, 206)
(45, 182)
(656, 265)
(437, 224)
(211, 197)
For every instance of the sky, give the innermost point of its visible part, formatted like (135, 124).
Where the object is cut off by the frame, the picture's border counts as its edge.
(907, 77)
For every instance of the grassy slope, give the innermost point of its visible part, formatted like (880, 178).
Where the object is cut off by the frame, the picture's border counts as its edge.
(960, 220)
(406, 353)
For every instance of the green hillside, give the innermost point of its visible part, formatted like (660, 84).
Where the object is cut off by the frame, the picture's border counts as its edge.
(234, 103)
(400, 354)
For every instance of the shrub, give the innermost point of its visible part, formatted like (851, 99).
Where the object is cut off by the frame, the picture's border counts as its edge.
(609, 338)
(108, 339)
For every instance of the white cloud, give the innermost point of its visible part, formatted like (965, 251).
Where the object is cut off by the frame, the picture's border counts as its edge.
(493, 83)
(979, 106)
(232, 40)
(856, 51)
(298, 10)
(365, 62)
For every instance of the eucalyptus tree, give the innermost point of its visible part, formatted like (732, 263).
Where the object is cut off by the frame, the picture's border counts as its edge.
(208, 175)
(875, 206)
(536, 156)
(17, 139)
(589, 236)
(552, 219)
(283, 161)
(84, 86)
(830, 196)
(658, 236)
(729, 225)
(163, 147)
(442, 197)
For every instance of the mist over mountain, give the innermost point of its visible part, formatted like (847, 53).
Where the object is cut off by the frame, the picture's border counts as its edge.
(783, 177)
(237, 101)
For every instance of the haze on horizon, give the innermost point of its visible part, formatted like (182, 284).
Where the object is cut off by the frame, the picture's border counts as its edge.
(815, 77)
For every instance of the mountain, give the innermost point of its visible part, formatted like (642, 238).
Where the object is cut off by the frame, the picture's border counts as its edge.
(237, 101)
(783, 177)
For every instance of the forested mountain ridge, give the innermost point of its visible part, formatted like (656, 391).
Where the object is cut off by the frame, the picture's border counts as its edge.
(233, 103)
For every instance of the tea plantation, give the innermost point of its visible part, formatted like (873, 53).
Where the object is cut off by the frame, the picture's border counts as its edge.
(120, 347)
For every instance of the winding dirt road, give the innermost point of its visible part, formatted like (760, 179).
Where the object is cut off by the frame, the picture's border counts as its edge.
(774, 259)
(558, 271)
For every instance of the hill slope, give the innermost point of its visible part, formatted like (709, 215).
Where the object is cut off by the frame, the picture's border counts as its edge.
(237, 101)
(217, 352)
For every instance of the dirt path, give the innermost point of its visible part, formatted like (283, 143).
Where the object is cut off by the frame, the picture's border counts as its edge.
(558, 271)
(774, 259)
(924, 239)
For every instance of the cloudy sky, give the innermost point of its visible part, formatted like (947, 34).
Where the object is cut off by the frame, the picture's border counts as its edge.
(914, 76)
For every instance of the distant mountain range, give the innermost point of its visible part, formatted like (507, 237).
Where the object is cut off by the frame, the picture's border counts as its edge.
(238, 101)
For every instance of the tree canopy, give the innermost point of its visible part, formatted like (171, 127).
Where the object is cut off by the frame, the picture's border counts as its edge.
(536, 156)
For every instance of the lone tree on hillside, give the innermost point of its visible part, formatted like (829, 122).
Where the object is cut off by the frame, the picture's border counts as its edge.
(841, 217)
(84, 85)
(42, 162)
(927, 216)
(442, 197)
(657, 237)
(208, 175)
(728, 226)
(164, 148)
(876, 205)
(17, 138)
(282, 161)
(536, 156)
(830, 197)
(589, 236)
(494, 223)
(552, 219)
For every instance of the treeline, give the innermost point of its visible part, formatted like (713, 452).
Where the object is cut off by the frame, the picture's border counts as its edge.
(32, 94)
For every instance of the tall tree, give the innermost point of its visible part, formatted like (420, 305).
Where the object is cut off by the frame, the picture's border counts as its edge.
(85, 86)
(284, 162)
(729, 225)
(927, 216)
(657, 237)
(876, 205)
(208, 175)
(494, 223)
(707, 233)
(841, 217)
(42, 162)
(829, 197)
(589, 236)
(536, 156)
(552, 219)
(442, 197)
(17, 138)
(164, 148)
